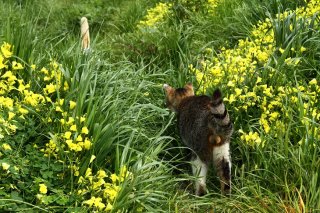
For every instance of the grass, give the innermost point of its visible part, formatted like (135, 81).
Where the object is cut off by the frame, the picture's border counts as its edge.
(118, 87)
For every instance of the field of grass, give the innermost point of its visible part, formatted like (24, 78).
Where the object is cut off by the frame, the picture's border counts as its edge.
(89, 131)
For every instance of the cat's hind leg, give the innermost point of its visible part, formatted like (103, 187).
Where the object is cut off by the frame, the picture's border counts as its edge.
(222, 162)
(199, 170)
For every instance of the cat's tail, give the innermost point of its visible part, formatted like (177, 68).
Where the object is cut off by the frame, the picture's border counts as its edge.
(222, 122)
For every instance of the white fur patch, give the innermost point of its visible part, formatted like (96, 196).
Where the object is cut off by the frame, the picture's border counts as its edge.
(200, 170)
(221, 152)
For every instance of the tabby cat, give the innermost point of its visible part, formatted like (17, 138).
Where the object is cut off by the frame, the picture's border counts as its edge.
(205, 127)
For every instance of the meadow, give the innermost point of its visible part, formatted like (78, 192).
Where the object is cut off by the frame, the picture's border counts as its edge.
(88, 131)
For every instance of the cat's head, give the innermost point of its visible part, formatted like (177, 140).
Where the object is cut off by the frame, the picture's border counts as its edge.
(175, 96)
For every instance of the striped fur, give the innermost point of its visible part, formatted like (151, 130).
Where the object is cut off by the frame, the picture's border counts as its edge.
(221, 122)
(206, 128)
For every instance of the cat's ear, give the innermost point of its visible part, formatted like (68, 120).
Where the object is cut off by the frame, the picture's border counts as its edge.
(189, 88)
(168, 88)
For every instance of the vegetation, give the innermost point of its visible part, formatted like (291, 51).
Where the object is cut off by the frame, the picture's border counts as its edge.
(88, 131)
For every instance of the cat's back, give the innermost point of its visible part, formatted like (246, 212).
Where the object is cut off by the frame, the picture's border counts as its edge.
(194, 105)
(193, 117)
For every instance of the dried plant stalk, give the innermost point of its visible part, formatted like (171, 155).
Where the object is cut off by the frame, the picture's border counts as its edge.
(85, 37)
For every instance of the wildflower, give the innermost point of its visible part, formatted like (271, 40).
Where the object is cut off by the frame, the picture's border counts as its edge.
(72, 104)
(5, 166)
(10, 77)
(313, 82)
(87, 144)
(43, 188)
(62, 121)
(50, 88)
(281, 50)
(2, 62)
(58, 109)
(6, 146)
(82, 119)
(98, 183)
(61, 101)
(302, 49)
(16, 65)
(155, 15)
(81, 180)
(97, 202)
(85, 130)
(67, 135)
(111, 191)
(73, 128)
(33, 66)
(70, 120)
(114, 178)
(11, 115)
(44, 71)
(88, 172)
(109, 207)
(6, 50)
(101, 174)
(92, 158)
(79, 138)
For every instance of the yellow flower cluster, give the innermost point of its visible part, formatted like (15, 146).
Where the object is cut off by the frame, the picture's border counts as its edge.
(155, 15)
(245, 72)
(212, 4)
(12, 105)
(74, 133)
(102, 194)
(53, 78)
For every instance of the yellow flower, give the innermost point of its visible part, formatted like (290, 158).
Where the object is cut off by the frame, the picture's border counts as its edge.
(65, 86)
(3, 62)
(58, 109)
(67, 135)
(6, 50)
(61, 101)
(109, 207)
(9, 76)
(6, 146)
(16, 65)
(92, 158)
(114, 178)
(82, 119)
(79, 138)
(62, 121)
(73, 128)
(33, 66)
(313, 82)
(44, 71)
(72, 104)
(98, 183)
(87, 144)
(101, 174)
(50, 88)
(5, 166)
(97, 202)
(70, 120)
(43, 188)
(85, 130)
(11, 115)
(88, 172)
(155, 15)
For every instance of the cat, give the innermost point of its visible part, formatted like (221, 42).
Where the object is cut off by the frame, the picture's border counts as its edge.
(206, 128)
